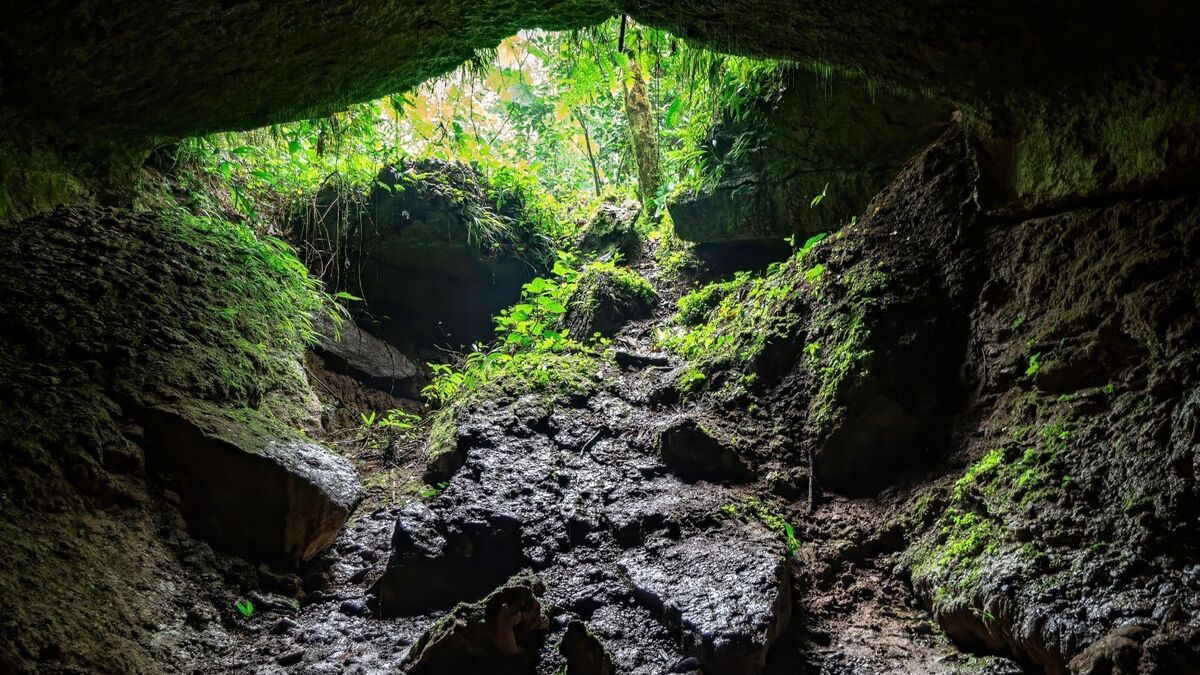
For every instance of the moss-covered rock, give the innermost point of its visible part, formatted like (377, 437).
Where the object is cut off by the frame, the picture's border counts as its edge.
(484, 634)
(606, 298)
(190, 332)
(612, 229)
(812, 153)
(432, 247)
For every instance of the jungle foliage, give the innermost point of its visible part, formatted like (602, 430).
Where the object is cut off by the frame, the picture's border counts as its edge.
(546, 114)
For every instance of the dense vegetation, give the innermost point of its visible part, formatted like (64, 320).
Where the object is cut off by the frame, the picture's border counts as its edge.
(559, 121)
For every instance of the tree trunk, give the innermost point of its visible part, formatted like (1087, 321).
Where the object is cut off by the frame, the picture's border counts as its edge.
(587, 143)
(643, 135)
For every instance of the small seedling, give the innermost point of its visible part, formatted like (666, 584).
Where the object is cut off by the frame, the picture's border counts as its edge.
(245, 608)
(430, 493)
(817, 200)
(1035, 364)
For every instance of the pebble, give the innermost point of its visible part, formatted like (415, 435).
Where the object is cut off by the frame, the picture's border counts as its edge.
(357, 607)
(291, 658)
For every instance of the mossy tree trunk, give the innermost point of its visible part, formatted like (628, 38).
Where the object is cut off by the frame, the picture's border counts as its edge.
(642, 132)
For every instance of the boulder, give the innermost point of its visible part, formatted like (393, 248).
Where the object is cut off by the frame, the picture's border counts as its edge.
(436, 563)
(728, 595)
(605, 299)
(352, 351)
(433, 249)
(612, 229)
(481, 636)
(276, 499)
(814, 137)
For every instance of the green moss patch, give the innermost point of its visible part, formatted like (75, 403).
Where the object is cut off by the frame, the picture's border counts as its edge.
(1006, 483)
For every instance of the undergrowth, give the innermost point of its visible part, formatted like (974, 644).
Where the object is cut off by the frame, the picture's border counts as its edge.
(727, 324)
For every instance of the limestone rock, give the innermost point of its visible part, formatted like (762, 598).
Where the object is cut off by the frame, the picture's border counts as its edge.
(436, 563)
(279, 500)
(584, 652)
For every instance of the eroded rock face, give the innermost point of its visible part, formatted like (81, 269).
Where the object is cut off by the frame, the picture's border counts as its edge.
(429, 251)
(812, 137)
(609, 531)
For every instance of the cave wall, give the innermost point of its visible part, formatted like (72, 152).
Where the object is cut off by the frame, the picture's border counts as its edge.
(1074, 102)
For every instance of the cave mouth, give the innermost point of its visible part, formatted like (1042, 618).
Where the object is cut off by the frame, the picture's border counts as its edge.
(680, 342)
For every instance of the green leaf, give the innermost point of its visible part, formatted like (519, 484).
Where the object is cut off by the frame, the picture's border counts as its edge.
(245, 608)
(673, 112)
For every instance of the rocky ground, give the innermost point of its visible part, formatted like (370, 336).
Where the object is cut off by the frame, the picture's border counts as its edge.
(629, 540)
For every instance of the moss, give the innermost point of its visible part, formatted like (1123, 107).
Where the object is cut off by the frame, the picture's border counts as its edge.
(1113, 139)
(441, 447)
(839, 363)
(693, 308)
(1005, 482)
(749, 312)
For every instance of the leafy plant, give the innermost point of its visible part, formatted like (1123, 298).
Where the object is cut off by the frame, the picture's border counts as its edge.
(819, 198)
(1035, 364)
(753, 509)
(431, 492)
(691, 380)
(245, 608)
(387, 432)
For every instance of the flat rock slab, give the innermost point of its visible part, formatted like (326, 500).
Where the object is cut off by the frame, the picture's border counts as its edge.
(725, 590)
(355, 352)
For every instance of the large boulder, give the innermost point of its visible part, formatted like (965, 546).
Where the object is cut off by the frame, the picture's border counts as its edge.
(264, 497)
(612, 229)
(160, 345)
(434, 250)
(812, 136)
(605, 299)
(729, 629)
